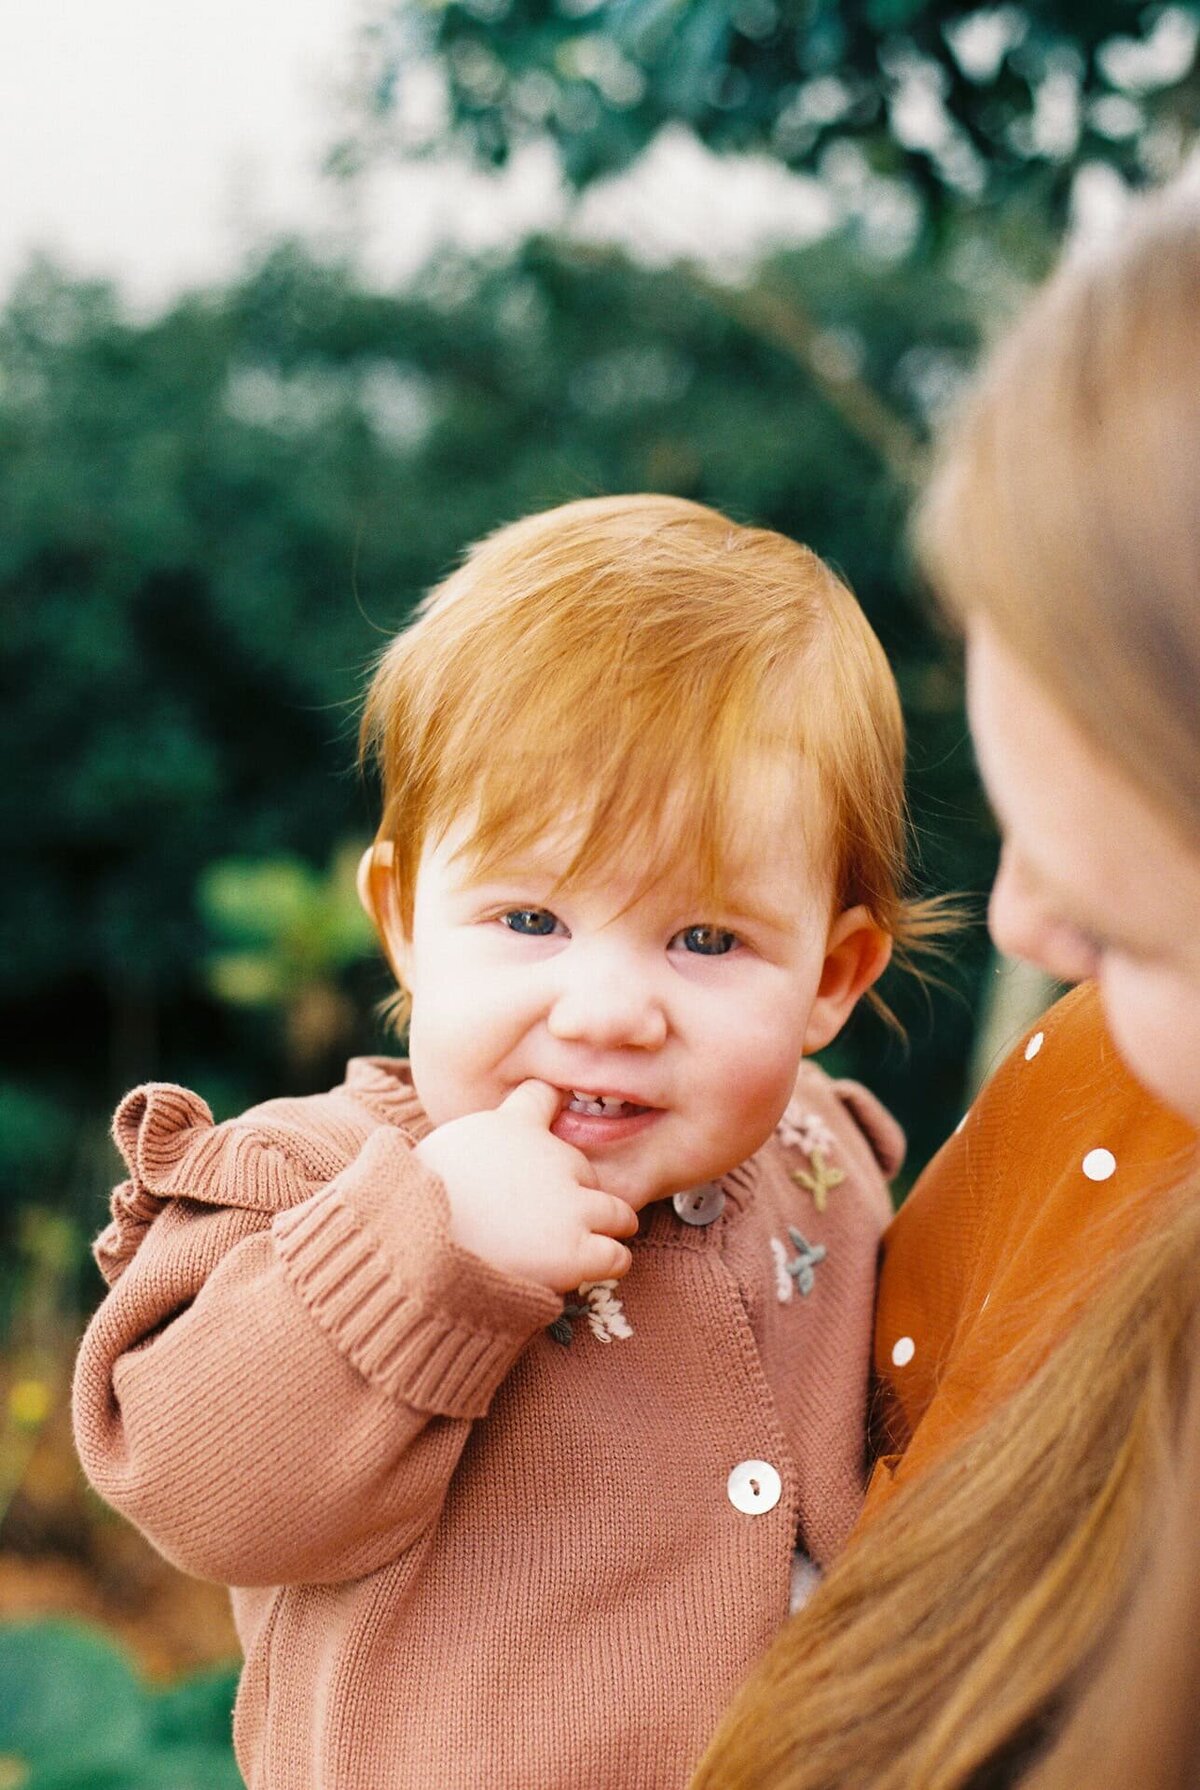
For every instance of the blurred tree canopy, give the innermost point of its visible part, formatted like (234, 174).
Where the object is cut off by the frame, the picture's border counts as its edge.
(968, 106)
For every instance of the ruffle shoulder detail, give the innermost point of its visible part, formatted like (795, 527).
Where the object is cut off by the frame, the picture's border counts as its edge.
(270, 1159)
(883, 1132)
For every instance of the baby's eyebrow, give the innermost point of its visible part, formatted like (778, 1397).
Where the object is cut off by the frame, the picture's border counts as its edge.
(525, 874)
(738, 907)
(743, 909)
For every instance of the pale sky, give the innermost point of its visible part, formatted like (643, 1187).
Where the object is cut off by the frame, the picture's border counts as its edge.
(149, 140)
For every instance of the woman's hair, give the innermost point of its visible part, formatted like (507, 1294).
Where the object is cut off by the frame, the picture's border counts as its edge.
(1065, 510)
(617, 666)
(944, 1644)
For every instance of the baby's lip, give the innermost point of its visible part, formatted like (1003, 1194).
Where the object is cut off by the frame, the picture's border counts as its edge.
(619, 1096)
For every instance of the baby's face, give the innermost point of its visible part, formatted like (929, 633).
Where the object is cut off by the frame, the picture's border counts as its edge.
(674, 1033)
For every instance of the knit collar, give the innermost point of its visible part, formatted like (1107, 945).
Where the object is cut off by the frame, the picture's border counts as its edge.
(384, 1086)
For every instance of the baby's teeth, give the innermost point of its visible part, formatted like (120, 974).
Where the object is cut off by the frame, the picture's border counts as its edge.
(594, 1105)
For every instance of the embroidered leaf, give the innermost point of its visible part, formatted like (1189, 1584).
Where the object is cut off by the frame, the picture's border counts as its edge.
(563, 1327)
(820, 1181)
(808, 1256)
(602, 1309)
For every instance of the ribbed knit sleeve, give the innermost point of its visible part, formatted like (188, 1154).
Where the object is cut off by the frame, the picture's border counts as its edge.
(371, 1259)
(280, 1382)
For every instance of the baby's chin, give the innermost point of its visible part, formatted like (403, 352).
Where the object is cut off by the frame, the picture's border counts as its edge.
(640, 1193)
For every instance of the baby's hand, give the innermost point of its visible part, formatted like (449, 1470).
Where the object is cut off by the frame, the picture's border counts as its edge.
(525, 1201)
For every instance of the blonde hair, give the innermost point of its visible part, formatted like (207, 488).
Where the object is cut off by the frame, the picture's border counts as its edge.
(613, 663)
(946, 1645)
(1065, 508)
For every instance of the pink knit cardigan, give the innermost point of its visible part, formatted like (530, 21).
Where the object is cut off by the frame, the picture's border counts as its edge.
(465, 1550)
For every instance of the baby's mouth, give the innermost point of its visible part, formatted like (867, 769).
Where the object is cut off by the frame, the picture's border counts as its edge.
(602, 1106)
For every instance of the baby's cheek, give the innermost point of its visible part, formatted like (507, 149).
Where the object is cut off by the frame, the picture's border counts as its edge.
(444, 1072)
(758, 1079)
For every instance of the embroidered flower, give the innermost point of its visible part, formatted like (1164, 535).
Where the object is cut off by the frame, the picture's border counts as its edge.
(599, 1304)
(605, 1315)
(808, 1132)
(798, 1270)
(784, 1287)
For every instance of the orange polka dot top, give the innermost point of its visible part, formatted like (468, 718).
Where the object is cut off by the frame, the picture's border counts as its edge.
(1061, 1162)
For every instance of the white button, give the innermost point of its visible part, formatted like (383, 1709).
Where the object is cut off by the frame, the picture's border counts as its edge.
(700, 1205)
(1098, 1165)
(754, 1486)
(1034, 1045)
(903, 1350)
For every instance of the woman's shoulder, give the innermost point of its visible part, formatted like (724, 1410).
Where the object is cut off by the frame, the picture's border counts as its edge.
(267, 1159)
(1060, 1124)
(1059, 1163)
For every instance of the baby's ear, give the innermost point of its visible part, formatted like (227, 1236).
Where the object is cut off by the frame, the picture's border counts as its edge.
(857, 952)
(377, 893)
(372, 859)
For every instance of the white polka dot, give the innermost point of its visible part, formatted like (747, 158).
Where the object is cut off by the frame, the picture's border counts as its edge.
(1034, 1045)
(961, 1122)
(1098, 1165)
(903, 1350)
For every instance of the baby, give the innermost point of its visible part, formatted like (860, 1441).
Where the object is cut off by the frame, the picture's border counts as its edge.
(502, 1382)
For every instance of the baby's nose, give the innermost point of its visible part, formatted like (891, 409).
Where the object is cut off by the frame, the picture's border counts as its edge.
(606, 1003)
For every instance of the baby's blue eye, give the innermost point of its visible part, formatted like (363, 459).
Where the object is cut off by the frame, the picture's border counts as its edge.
(707, 941)
(531, 922)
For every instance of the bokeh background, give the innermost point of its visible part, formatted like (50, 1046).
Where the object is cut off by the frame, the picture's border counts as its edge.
(298, 300)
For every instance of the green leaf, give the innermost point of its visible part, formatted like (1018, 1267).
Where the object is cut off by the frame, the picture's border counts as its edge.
(176, 1768)
(198, 1709)
(68, 1701)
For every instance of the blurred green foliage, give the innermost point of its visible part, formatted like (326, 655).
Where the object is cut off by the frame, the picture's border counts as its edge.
(75, 1716)
(290, 923)
(968, 106)
(289, 931)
